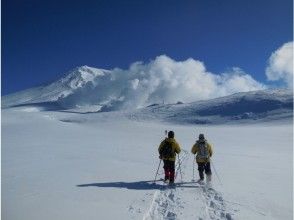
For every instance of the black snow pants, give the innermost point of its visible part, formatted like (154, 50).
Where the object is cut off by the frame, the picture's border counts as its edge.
(203, 167)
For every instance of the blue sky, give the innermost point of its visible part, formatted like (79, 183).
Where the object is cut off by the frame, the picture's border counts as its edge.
(41, 40)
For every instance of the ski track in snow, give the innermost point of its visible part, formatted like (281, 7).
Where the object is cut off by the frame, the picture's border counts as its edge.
(166, 202)
(215, 205)
(187, 201)
(169, 203)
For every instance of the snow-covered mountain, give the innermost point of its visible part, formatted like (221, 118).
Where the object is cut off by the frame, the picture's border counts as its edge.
(264, 105)
(98, 90)
(160, 80)
(55, 92)
(106, 160)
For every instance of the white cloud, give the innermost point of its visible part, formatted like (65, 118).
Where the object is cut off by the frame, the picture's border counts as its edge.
(280, 65)
(236, 80)
(162, 79)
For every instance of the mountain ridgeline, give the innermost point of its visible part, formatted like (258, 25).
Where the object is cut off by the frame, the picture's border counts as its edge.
(87, 88)
(255, 106)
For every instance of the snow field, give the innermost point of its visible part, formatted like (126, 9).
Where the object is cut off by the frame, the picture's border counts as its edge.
(102, 168)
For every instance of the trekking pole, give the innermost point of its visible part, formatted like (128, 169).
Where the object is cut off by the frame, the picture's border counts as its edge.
(157, 171)
(193, 179)
(216, 173)
(180, 168)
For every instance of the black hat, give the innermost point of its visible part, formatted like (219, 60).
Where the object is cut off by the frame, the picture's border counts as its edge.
(171, 134)
(201, 136)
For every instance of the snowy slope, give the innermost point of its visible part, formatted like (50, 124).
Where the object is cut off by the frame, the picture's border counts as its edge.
(265, 105)
(87, 89)
(103, 167)
(250, 107)
(256, 106)
(79, 78)
(80, 148)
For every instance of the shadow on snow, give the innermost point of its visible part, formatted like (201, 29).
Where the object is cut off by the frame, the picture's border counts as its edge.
(139, 185)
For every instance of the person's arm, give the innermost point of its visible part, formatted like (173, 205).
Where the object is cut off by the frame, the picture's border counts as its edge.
(160, 146)
(210, 150)
(194, 149)
(177, 148)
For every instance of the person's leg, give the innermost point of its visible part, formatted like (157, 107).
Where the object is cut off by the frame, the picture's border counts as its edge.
(172, 172)
(166, 169)
(208, 171)
(201, 170)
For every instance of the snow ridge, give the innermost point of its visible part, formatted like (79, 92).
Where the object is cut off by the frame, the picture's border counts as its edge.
(257, 106)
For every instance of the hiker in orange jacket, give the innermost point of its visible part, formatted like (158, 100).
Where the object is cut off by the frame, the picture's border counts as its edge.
(167, 152)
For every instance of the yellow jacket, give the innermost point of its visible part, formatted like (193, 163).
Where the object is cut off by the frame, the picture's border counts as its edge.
(175, 148)
(195, 149)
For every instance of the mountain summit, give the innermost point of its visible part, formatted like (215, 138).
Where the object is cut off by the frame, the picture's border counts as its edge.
(74, 80)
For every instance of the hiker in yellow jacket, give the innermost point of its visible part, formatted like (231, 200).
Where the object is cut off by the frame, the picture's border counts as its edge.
(167, 152)
(203, 151)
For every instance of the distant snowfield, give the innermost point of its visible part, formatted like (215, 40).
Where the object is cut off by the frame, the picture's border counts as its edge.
(58, 165)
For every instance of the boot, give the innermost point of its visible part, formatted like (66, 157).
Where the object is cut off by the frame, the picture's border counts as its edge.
(166, 179)
(172, 177)
(166, 176)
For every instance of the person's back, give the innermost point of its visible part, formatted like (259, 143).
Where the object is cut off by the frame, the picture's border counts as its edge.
(203, 151)
(168, 149)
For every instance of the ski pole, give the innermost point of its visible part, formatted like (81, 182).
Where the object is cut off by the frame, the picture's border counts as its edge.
(216, 173)
(157, 170)
(193, 179)
(180, 168)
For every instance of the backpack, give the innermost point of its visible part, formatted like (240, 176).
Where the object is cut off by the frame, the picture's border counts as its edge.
(203, 150)
(166, 150)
